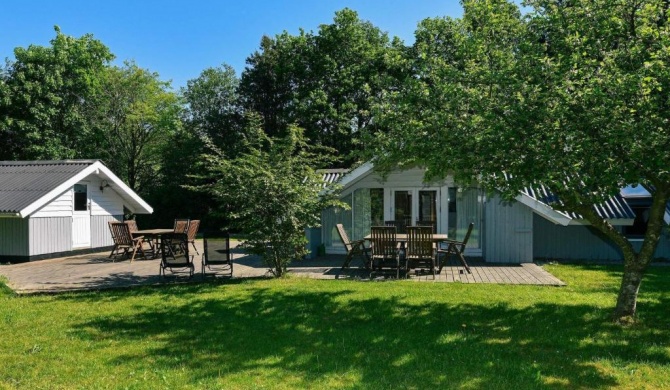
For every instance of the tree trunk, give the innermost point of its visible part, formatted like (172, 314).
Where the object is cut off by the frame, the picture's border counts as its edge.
(630, 285)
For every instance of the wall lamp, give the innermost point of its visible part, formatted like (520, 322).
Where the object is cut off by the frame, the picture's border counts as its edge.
(103, 185)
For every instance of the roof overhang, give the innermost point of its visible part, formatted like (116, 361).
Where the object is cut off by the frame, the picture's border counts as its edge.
(131, 200)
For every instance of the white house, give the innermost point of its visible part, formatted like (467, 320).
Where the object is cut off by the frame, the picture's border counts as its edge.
(50, 208)
(504, 232)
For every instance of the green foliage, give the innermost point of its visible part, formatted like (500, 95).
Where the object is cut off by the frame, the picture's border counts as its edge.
(573, 96)
(43, 96)
(213, 108)
(325, 83)
(271, 193)
(135, 117)
(315, 334)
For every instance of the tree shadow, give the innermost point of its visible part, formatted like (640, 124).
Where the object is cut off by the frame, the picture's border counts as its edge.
(387, 341)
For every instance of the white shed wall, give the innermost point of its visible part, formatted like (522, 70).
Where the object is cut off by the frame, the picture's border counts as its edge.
(50, 235)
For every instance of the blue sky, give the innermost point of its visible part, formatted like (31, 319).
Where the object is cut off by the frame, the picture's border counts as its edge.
(180, 39)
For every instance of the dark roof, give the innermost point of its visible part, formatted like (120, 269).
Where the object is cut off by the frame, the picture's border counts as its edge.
(615, 207)
(330, 176)
(24, 182)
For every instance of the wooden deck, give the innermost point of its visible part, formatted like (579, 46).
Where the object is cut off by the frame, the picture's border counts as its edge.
(96, 271)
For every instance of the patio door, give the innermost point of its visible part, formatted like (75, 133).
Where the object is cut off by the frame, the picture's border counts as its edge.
(416, 205)
(81, 217)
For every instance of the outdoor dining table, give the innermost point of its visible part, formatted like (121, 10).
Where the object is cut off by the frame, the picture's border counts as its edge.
(402, 237)
(154, 236)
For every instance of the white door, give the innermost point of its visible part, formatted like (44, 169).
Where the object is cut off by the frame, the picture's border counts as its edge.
(409, 206)
(81, 217)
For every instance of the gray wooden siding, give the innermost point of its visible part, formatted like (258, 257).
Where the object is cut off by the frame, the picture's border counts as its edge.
(50, 235)
(13, 237)
(509, 232)
(553, 241)
(577, 242)
(100, 235)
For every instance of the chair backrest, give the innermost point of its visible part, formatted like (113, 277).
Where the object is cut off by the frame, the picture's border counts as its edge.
(343, 236)
(132, 225)
(427, 222)
(181, 225)
(400, 226)
(419, 241)
(467, 236)
(174, 250)
(217, 247)
(193, 229)
(383, 241)
(121, 233)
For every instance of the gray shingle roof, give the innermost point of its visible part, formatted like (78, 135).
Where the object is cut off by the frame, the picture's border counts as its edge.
(24, 182)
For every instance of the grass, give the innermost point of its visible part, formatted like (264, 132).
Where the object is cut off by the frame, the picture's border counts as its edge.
(300, 333)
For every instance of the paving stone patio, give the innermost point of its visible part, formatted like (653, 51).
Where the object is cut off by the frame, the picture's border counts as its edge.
(96, 271)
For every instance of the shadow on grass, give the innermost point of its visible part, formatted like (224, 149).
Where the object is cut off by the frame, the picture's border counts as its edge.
(386, 341)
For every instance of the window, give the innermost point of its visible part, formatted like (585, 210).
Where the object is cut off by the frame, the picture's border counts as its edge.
(639, 227)
(80, 197)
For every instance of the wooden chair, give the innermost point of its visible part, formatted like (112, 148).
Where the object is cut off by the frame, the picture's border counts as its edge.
(427, 222)
(455, 248)
(384, 249)
(353, 248)
(132, 225)
(400, 226)
(217, 252)
(123, 240)
(192, 232)
(172, 258)
(181, 225)
(420, 252)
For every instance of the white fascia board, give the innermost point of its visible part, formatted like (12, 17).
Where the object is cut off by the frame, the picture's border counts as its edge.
(125, 190)
(93, 168)
(544, 210)
(351, 178)
(358, 173)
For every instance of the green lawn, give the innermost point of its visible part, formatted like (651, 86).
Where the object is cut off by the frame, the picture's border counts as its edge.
(299, 333)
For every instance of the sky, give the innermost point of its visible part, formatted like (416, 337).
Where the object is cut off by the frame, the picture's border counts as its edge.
(180, 39)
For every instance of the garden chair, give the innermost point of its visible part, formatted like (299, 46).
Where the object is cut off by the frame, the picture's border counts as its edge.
(217, 252)
(353, 248)
(384, 249)
(132, 225)
(192, 232)
(123, 240)
(427, 222)
(181, 225)
(419, 252)
(172, 258)
(455, 248)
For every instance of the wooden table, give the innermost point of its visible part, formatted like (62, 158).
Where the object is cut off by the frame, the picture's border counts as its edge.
(402, 237)
(153, 235)
(453, 246)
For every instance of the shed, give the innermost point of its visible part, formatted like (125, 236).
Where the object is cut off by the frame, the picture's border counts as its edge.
(53, 208)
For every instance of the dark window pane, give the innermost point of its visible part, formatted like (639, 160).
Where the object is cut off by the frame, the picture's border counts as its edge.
(80, 197)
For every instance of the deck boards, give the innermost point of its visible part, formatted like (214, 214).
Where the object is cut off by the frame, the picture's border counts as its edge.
(95, 271)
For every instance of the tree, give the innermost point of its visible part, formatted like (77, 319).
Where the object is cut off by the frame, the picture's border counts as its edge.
(325, 83)
(135, 117)
(271, 193)
(213, 108)
(43, 96)
(572, 96)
